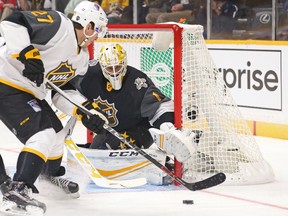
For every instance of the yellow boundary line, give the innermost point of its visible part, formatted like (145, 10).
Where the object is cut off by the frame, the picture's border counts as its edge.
(247, 42)
(266, 129)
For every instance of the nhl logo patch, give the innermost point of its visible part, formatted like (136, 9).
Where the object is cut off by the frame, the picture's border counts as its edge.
(61, 75)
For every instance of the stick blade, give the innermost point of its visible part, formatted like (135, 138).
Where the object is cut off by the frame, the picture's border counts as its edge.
(207, 183)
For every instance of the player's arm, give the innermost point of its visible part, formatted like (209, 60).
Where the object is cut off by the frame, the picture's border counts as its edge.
(15, 32)
(156, 107)
(21, 29)
(94, 123)
(22, 32)
(64, 105)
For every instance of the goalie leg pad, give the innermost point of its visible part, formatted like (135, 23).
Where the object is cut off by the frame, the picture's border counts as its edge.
(122, 164)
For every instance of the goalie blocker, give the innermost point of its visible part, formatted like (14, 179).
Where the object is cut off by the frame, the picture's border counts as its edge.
(129, 164)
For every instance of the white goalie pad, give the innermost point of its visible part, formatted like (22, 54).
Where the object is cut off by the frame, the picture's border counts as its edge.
(173, 141)
(121, 164)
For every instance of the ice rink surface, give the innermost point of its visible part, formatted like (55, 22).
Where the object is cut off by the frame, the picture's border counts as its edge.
(269, 199)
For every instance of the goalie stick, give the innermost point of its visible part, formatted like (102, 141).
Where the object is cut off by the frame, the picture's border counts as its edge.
(200, 185)
(93, 173)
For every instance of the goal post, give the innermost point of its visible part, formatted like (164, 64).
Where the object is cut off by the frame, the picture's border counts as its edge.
(178, 61)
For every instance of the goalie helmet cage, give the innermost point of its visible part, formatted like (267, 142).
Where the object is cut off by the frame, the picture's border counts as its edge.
(176, 58)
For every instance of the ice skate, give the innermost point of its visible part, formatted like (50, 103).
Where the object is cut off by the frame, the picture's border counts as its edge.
(17, 200)
(4, 178)
(69, 187)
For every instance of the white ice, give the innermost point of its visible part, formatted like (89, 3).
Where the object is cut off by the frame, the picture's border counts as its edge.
(255, 200)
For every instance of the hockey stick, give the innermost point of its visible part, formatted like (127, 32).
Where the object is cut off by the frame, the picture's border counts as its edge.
(206, 183)
(90, 169)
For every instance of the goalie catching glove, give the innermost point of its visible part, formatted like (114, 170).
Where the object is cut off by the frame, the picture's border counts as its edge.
(174, 141)
(94, 123)
(34, 68)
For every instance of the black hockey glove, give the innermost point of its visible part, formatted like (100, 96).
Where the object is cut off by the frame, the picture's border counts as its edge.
(94, 123)
(34, 68)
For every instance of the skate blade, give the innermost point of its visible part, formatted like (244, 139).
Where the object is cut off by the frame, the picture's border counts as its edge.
(11, 208)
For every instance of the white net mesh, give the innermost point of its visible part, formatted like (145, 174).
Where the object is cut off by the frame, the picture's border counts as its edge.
(205, 106)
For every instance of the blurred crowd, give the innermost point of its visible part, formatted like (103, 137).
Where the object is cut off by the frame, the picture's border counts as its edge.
(228, 17)
(8, 6)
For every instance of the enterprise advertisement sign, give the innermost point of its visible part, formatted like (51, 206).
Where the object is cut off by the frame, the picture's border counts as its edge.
(254, 76)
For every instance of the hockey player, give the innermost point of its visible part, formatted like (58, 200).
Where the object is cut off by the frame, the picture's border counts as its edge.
(3, 175)
(132, 104)
(42, 45)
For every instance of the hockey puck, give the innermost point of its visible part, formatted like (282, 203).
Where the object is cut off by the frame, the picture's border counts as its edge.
(188, 202)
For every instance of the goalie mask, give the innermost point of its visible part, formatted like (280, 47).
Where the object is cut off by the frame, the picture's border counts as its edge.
(86, 12)
(113, 62)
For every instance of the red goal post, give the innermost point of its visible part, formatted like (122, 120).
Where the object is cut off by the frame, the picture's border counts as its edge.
(176, 58)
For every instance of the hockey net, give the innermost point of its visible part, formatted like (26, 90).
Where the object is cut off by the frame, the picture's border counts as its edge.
(176, 58)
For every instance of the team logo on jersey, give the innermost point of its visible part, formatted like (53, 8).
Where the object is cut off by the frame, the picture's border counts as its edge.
(61, 75)
(34, 104)
(140, 83)
(109, 110)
